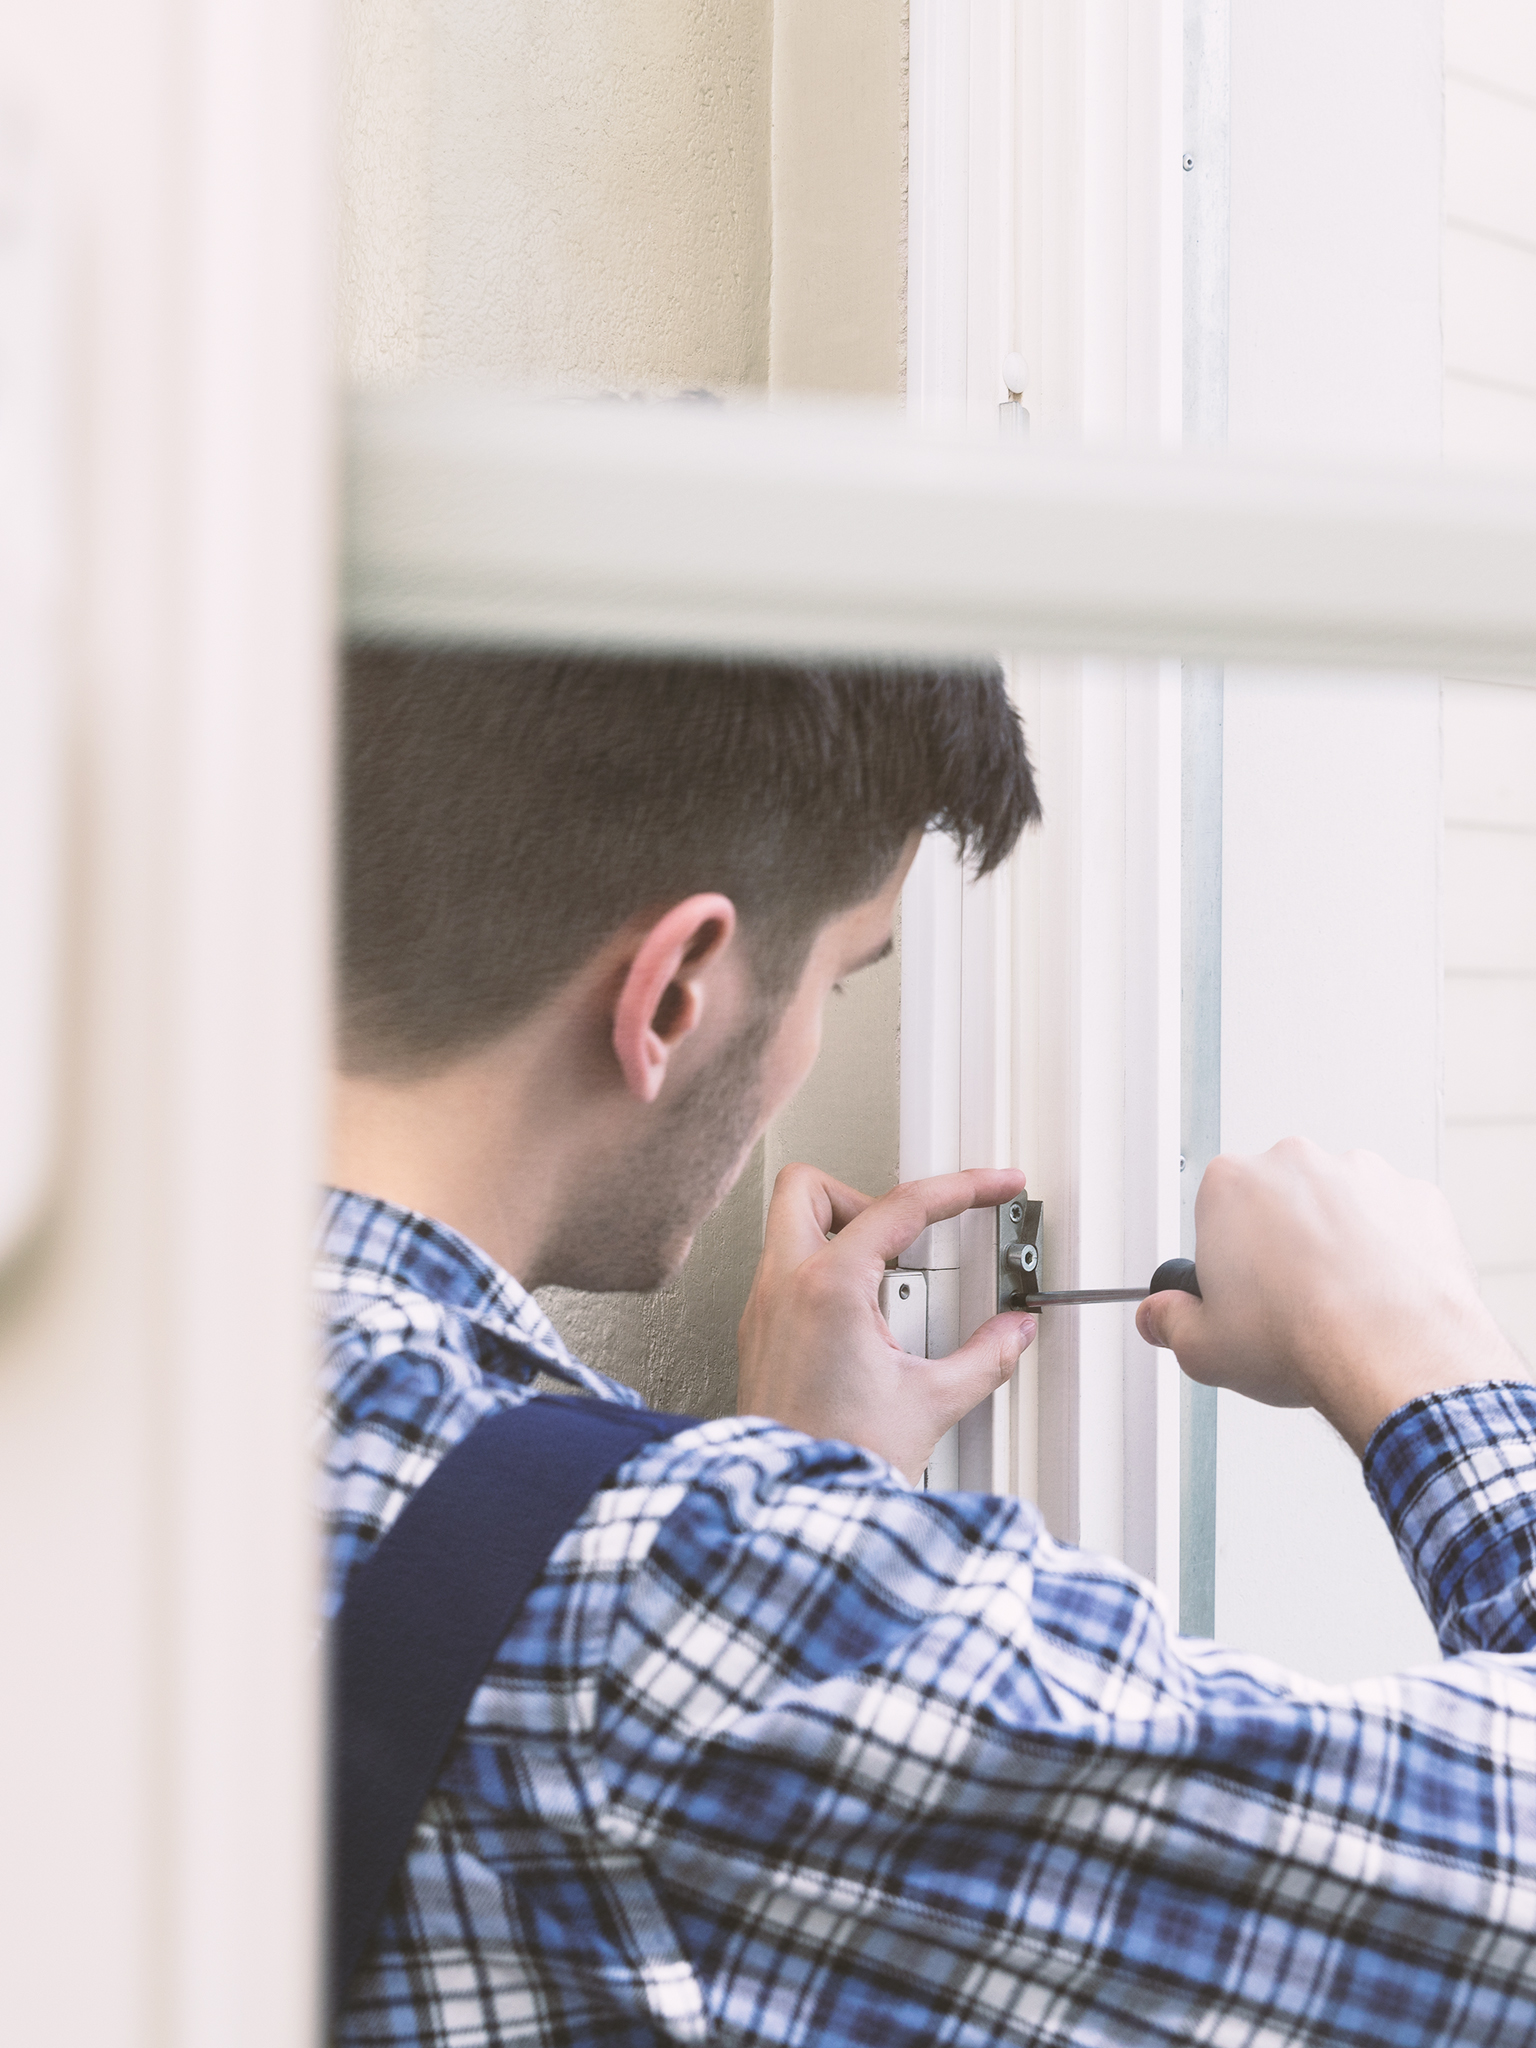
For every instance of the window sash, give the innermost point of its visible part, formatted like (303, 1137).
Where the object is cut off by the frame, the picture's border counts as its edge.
(844, 529)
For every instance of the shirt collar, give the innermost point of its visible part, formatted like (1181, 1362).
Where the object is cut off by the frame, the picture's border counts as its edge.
(373, 1250)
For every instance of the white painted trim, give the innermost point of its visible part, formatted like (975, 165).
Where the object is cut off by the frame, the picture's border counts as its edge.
(930, 1090)
(476, 513)
(930, 1034)
(1153, 961)
(33, 464)
(938, 208)
(1096, 1091)
(247, 843)
(945, 41)
(160, 1716)
(962, 225)
(929, 1120)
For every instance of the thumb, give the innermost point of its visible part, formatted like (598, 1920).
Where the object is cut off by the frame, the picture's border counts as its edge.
(984, 1362)
(1171, 1321)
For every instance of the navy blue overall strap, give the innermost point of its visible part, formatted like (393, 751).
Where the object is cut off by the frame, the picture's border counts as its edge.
(424, 1616)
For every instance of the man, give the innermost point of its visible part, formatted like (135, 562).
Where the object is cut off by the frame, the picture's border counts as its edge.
(781, 1748)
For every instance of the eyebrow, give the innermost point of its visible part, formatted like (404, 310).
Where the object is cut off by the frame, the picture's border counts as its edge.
(869, 960)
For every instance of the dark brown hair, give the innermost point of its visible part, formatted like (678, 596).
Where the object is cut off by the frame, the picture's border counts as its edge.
(505, 812)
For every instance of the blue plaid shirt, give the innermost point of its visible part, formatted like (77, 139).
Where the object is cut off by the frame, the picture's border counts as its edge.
(781, 1750)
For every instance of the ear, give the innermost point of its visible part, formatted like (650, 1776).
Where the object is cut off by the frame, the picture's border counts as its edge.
(662, 998)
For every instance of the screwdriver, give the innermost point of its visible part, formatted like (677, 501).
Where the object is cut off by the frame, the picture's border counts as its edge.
(1171, 1274)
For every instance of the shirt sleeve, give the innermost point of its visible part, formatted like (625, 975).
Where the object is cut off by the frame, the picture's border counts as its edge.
(1454, 1476)
(902, 1767)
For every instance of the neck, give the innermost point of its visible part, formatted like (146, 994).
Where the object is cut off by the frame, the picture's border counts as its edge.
(577, 1147)
(486, 1146)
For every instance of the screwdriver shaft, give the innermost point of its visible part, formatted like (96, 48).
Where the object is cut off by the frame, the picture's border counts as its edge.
(1084, 1294)
(1173, 1274)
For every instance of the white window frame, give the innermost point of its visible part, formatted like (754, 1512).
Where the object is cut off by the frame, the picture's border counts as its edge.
(1045, 217)
(201, 555)
(161, 1721)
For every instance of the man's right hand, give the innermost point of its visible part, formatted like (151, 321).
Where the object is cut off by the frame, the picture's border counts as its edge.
(1328, 1281)
(815, 1350)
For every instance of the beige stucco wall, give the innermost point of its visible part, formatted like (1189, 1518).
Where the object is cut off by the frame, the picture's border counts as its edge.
(646, 195)
(839, 299)
(575, 192)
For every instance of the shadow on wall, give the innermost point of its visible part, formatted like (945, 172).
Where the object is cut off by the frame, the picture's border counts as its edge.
(677, 1347)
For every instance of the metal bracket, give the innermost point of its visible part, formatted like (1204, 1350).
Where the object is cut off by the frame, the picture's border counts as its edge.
(904, 1304)
(1020, 1249)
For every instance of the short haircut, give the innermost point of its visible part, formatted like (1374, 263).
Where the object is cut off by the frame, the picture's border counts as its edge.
(505, 812)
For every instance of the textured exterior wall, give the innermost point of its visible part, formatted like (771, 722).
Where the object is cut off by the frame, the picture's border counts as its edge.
(574, 194)
(382, 162)
(839, 196)
(678, 1345)
(630, 196)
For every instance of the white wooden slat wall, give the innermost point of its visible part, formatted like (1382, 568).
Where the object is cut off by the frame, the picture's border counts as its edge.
(1489, 729)
(1489, 1165)
(1490, 230)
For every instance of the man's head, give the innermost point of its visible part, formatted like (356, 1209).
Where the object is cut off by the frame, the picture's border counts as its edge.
(637, 879)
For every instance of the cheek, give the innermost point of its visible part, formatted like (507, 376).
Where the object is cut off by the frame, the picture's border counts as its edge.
(792, 1053)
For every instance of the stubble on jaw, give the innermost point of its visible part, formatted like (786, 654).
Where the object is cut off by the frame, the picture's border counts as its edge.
(634, 1231)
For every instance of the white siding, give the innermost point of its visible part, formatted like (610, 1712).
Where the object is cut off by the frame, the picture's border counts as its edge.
(1489, 1158)
(1493, 43)
(1490, 230)
(1490, 313)
(1490, 989)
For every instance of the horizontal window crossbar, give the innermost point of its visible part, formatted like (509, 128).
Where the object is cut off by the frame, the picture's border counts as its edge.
(479, 515)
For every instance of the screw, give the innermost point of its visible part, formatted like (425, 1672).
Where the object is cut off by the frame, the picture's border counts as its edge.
(1181, 1162)
(904, 1291)
(1189, 163)
(1016, 1212)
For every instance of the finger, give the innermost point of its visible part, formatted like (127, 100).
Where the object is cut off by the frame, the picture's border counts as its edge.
(805, 1205)
(1171, 1321)
(984, 1362)
(887, 1227)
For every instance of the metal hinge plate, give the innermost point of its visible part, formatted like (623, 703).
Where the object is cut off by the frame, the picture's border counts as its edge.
(1020, 1250)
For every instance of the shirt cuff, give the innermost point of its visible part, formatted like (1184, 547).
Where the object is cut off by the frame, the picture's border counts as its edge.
(1454, 1475)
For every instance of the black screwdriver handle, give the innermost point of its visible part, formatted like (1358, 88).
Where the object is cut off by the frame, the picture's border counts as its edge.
(1176, 1273)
